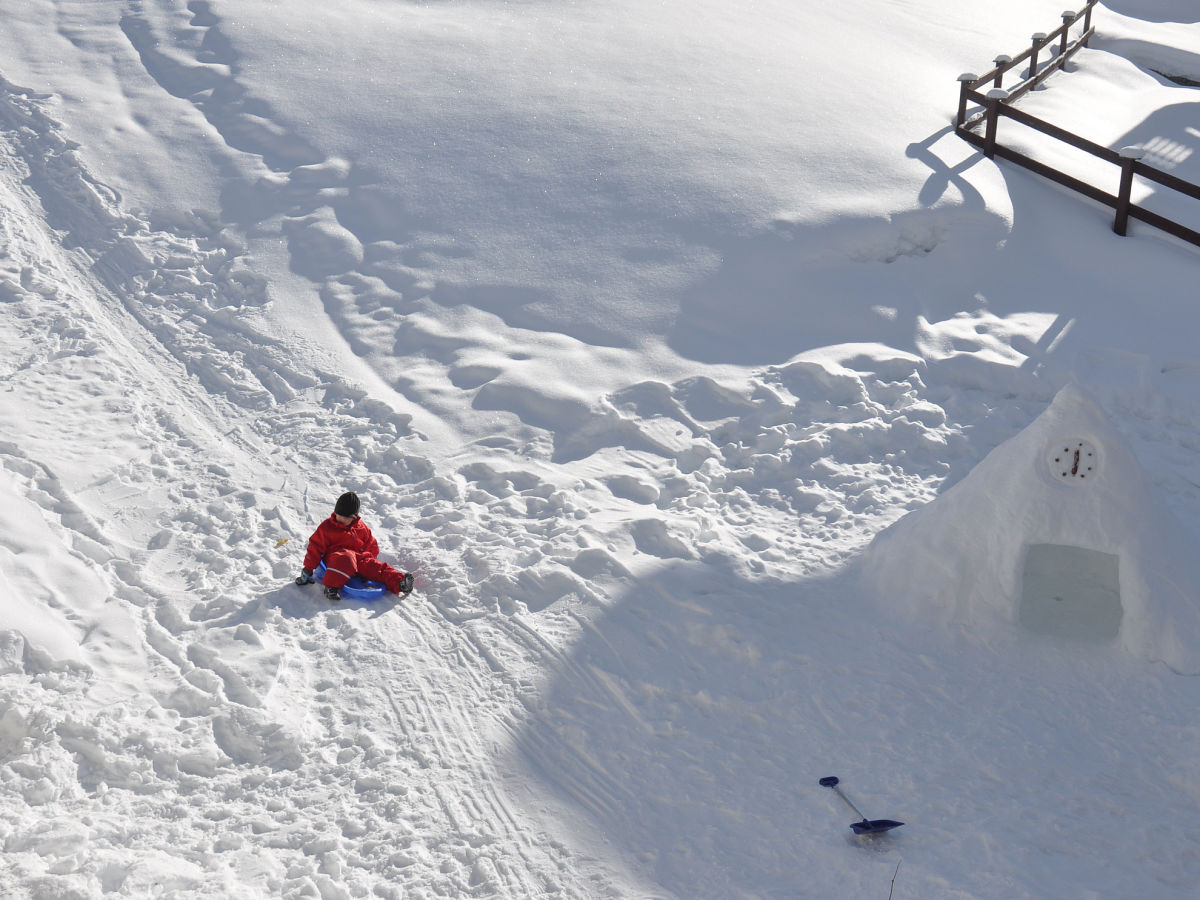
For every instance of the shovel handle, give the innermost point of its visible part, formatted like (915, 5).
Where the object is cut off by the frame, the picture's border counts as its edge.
(832, 781)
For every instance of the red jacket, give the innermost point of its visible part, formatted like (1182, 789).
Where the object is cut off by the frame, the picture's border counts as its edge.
(331, 535)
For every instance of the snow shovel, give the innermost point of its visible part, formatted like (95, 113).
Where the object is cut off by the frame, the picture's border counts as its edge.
(866, 826)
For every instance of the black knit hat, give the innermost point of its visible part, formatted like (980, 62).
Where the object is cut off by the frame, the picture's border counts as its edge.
(347, 504)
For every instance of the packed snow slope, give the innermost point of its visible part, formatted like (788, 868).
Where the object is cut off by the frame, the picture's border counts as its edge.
(633, 324)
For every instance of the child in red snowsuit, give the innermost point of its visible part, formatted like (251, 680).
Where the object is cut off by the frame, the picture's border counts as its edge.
(348, 548)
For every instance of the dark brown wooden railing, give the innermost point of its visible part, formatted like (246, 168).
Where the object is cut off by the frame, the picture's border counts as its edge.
(997, 103)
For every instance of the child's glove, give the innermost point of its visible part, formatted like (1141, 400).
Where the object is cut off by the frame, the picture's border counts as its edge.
(305, 577)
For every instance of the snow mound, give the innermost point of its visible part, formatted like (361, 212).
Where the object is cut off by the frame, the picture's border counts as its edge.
(1021, 520)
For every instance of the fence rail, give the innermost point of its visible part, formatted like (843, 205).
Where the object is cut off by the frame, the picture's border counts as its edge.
(997, 103)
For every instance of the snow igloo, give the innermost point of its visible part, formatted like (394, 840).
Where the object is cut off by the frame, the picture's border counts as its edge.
(1058, 531)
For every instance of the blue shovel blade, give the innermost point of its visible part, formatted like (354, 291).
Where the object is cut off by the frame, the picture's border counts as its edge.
(875, 826)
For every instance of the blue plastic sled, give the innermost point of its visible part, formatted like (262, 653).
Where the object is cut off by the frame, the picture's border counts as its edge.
(356, 588)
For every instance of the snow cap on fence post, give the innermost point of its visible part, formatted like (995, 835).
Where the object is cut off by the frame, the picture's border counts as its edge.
(995, 97)
(1068, 16)
(1129, 156)
(1038, 37)
(964, 86)
(1001, 61)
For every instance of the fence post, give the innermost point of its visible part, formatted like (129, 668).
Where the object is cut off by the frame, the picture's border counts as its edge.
(1087, 20)
(995, 97)
(1068, 16)
(964, 87)
(1129, 157)
(1001, 60)
(1037, 39)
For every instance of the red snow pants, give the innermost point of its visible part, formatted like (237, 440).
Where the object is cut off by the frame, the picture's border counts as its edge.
(342, 565)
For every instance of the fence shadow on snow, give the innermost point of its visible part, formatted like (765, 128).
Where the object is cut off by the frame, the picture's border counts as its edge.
(984, 101)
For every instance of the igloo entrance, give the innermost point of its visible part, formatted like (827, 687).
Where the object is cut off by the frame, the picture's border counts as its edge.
(1070, 592)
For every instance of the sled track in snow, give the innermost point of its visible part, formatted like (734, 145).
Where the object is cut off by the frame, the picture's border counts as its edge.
(250, 677)
(257, 681)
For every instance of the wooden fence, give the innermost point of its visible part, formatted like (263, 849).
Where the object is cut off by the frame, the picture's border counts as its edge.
(997, 103)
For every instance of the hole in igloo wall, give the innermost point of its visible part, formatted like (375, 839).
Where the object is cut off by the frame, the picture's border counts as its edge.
(1071, 592)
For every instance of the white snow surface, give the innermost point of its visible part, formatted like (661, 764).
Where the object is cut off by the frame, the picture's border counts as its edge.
(634, 324)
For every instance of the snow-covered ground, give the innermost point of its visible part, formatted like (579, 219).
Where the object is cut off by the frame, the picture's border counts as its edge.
(634, 324)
